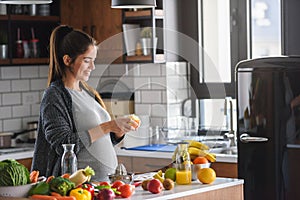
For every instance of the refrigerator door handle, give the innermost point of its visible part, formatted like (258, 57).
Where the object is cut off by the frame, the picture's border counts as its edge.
(245, 138)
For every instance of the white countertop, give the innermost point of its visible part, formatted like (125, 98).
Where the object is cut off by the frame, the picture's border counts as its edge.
(168, 155)
(123, 152)
(184, 190)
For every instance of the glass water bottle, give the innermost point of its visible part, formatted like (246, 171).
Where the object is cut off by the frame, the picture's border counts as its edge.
(183, 164)
(68, 160)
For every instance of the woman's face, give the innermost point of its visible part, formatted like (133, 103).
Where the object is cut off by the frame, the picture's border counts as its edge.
(84, 64)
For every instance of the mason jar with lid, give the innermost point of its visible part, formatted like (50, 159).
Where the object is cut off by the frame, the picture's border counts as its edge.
(183, 164)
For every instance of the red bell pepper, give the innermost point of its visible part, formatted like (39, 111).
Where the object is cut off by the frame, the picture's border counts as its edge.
(88, 187)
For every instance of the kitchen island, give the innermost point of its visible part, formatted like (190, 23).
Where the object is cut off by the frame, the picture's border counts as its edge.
(221, 188)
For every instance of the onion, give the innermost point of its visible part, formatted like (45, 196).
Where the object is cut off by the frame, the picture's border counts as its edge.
(106, 194)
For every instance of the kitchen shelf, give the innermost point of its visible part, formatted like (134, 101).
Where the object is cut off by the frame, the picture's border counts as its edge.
(156, 19)
(42, 26)
(34, 18)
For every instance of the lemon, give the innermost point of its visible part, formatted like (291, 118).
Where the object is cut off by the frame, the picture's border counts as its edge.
(170, 173)
(206, 175)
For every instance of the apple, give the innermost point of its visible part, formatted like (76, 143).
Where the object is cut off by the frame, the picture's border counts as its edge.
(154, 186)
(117, 184)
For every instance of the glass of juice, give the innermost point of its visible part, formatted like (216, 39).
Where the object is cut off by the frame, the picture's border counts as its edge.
(183, 164)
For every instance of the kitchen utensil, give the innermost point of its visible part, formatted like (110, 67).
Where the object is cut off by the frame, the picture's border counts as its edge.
(5, 139)
(33, 133)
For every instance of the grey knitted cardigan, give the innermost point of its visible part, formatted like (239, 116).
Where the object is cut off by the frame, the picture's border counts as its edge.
(56, 127)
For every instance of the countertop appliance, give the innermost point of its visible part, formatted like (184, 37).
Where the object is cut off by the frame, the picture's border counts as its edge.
(268, 116)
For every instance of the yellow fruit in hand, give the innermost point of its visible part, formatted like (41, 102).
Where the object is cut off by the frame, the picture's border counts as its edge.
(206, 175)
(136, 119)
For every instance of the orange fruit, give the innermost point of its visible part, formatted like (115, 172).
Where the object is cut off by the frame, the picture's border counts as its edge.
(206, 175)
(135, 118)
(200, 160)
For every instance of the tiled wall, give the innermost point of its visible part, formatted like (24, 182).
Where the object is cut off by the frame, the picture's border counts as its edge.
(158, 89)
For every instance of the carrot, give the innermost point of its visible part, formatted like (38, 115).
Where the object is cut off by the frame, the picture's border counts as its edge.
(42, 197)
(55, 194)
(66, 198)
(34, 175)
(49, 179)
(66, 175)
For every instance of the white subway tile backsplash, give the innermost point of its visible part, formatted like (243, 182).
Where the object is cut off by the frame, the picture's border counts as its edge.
(29, 72)
(151, 96)
(137, 96)
(10, 72)
(174, 109)
(5, 112)
(20, 85)
(11, 99)
(142, 109)
(177, 82)
(1, 127)
(142, 83)
(12, 124)
(157, 121)
(30, 98)
(43, 71)
(150, 69)
(181, 68)
(5, 86)
(100, 70)
(21, 111)
(35, 109)
(159, 110)
(117, 70)
(158, 83)
(38, 84)
(128, 81)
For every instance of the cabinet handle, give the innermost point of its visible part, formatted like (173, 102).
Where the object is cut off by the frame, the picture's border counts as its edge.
(93, 28)
(154, 166)
(84, 29)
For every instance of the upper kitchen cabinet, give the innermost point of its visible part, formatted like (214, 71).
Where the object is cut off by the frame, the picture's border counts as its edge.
(151, 34)
(26, 29)
(97, 18)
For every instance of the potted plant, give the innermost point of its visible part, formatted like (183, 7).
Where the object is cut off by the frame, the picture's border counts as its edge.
(146, 38)
(3, 45)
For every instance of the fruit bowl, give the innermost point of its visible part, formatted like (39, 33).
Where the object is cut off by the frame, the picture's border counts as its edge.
(17, 191)
(196, 167)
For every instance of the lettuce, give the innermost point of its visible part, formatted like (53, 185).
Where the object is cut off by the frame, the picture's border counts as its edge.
(13, 173)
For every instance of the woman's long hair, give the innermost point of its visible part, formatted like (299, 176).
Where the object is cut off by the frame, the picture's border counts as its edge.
(65, 40)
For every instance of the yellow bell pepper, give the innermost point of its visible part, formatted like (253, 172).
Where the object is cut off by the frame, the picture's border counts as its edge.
(81, 194)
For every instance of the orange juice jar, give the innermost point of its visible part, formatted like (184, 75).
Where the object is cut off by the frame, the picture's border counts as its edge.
(183, 164)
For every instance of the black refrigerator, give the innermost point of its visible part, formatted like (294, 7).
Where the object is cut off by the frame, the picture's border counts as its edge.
(268, 132)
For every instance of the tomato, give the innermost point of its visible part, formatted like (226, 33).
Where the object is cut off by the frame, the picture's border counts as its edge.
(117, 184)
(126, 190)
(103, 183)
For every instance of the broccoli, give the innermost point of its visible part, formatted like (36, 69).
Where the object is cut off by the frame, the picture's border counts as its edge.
(61, 185)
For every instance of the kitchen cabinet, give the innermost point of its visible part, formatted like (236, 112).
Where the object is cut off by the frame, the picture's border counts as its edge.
(97, 18)
(26, 162)
(42, 27)
(163, 20)
(142, 164)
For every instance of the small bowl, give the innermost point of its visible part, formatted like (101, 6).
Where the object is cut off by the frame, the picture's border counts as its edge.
(125, 178)
(18, 191)
(195, 169)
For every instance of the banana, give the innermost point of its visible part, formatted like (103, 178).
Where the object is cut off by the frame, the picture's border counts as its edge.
(198, 145)
(210, 157)
(158, 176)
(195, 151)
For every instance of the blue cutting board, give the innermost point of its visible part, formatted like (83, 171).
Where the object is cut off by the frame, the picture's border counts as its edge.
(154, 147)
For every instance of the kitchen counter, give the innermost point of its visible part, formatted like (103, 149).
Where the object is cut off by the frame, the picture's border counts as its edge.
(228, 158)
(221, 188)
(122, 152)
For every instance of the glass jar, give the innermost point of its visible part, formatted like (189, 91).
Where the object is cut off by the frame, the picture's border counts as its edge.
(183, 164)
(68, 160)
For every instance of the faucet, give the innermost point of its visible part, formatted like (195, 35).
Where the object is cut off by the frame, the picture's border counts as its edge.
(231, 135)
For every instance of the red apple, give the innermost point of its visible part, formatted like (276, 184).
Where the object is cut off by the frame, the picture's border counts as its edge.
(117, 184)
(154, 186)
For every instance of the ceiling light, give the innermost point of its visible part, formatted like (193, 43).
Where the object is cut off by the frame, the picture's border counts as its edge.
(22, 2)
(133, 3)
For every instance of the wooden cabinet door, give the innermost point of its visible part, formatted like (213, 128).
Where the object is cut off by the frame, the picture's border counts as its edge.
(98, 19)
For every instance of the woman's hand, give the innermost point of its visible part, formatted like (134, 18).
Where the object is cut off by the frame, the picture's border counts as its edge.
(122, 125)
(119, 126)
